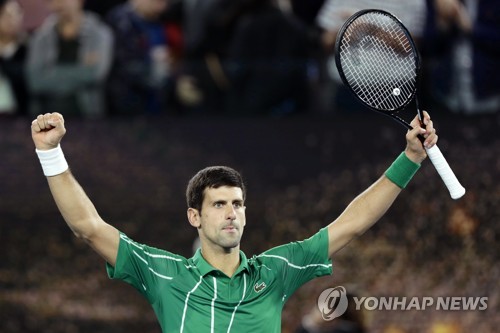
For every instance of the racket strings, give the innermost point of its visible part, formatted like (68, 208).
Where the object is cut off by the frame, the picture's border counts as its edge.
(378, 61)
(386, 95)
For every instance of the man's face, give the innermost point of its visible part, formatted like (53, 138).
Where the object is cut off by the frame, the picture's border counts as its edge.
(222, 218)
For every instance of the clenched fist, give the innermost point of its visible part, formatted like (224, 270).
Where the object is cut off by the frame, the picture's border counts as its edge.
(47, 130)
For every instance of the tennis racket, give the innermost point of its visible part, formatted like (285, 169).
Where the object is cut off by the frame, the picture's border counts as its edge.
(379, 62)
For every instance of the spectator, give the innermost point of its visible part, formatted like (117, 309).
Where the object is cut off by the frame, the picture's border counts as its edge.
(140, 77)
(206, 26)
(13, 93)
(243, 57)
(466, 43)
(268, 55)
(68, 61)
(334, 13)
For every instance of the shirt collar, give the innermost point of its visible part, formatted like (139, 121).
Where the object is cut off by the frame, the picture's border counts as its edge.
(204, 267)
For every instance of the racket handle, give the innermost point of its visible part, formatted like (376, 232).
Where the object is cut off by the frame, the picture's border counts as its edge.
(444, 170)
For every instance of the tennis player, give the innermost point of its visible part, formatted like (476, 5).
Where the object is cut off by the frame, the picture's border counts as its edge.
(219, 289)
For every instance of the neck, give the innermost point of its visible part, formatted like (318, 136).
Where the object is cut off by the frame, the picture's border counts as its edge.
(225, 260)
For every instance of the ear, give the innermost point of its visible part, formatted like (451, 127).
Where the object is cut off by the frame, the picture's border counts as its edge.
(244, 210)
(193, 217)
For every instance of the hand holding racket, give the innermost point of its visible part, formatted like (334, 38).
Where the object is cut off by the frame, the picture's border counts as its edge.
(378, 60)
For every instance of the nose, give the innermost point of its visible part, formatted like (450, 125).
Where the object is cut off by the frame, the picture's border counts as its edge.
(231, 213)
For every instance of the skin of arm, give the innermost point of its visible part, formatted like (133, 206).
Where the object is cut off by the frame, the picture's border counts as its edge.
(75, 206)
(368, 207)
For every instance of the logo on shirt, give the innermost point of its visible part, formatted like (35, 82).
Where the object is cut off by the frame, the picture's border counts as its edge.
(259, 287)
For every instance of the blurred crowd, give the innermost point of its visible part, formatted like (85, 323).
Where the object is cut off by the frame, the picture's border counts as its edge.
(227, 57)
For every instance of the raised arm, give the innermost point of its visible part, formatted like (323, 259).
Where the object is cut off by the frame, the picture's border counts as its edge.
(75, 206)
(368, 207)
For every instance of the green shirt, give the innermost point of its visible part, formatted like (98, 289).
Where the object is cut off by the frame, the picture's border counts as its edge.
(189, 295)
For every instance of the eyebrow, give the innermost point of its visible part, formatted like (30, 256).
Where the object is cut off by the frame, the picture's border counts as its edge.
(225, 201)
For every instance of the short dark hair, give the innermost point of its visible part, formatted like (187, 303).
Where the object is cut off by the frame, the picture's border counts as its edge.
(212, 177)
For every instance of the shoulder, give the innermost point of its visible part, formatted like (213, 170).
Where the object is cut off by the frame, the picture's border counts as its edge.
(275, 256)
(47, 27)
(92, 22)
(150, 253)
(288, 254)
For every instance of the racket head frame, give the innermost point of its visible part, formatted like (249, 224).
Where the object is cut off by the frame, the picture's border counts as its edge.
(455, 188)
(338, 62)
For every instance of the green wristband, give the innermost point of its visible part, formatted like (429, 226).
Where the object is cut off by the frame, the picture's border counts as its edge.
(402, 170)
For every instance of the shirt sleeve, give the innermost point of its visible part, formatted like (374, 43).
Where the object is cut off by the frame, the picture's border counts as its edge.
(300, 262)
(143, 267)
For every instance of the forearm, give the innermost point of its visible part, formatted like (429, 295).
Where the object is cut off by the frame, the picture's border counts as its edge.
(362, 213)
(74, 205)
(370, 205)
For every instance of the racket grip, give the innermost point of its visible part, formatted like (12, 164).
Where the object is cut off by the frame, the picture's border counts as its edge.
(444, 170)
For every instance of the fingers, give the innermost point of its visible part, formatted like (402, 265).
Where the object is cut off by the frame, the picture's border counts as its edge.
(35, 127)
(422, 133)
(47, 121)
(430, 135)
(47, 130)
(56, 120)
(425, 129)
(42, 121)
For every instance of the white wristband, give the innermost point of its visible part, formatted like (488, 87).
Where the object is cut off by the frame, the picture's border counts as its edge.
(52, 161)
